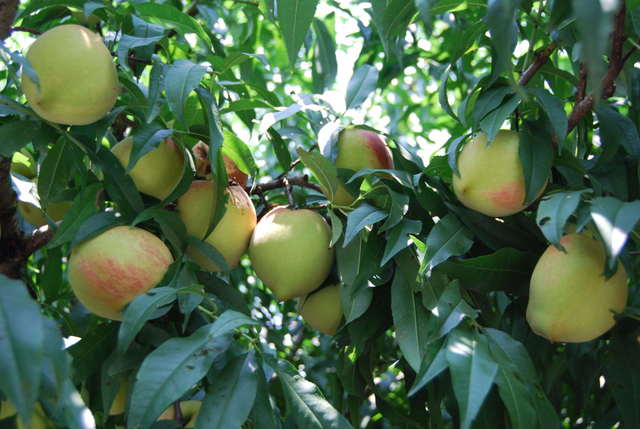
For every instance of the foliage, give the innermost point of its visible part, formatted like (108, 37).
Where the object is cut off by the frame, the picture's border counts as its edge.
(434, 294)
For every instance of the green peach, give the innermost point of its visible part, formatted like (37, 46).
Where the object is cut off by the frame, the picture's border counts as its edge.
(35, 217)
(569, 299)
(492, 180)
(78, 79)
(38, 419)
(24, 164)
(232, 234)
(158, 171)
(108, 271)
(290, 252)
(322, 309)
(120, 401)
(358, 149)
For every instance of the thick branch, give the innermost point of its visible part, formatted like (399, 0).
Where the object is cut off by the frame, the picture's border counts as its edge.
(11, 244)
(301, 181)
(8, 10)
(37, 240)
(607, 84)
(540, 60)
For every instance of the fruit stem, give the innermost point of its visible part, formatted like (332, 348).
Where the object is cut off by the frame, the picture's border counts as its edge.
(287, 189)
(177, 411)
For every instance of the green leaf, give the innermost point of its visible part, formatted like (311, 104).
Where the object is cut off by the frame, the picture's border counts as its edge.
(229, 295)
(119, 185)
(216, 135)
(442, 92)
(280, 148)
(127, 43)
(262, 410)
(325, 64)
(555, 112)
(614, 220)
(237, 58)
(505, 270)
(251, 104)
(487, 101)
(295, 17)
(472, 371)
(307, 404)
(97, 224)
(452, 309)
(362, 84)
(91, 351)
(171, 17)
(171, 369)
(410, 319)
(336, 228)
(625, 376)
(146, 138)
(21, 346)
(54, 171)
(536, 154)
(494, 120)
(83, 207)
(518, 384)
(231, 395)
(15, 135)
(239, 153)
(554, 211)
(361, 217)
(504, 34)
(182, 78)
(209, 252)
(399, 208)
(138, 311)
(448, 238)
(434, 362)
(322, 169)
(399, 238)
(617, 127)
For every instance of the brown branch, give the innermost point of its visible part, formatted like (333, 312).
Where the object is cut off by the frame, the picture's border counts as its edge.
(135, 59)
(26, 30)
(301, 181)
(318, 207)
(11, 242)
(607, 83)
(177, 412)
(8, 10)
(287, 190)
(37, 240)
(128, 121)
(540, 60)
(582, 83)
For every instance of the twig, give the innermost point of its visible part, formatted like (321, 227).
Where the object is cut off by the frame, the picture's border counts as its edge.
(253, 3)
(540, 60)
(135, 59)
(318, 207)
(287, 190)
(297, 161)
(607, 83)
(26, 30)
(128, 121)
(534, 32)
(177, 412)
(301, 181)
(37, 240)
(582, 83)
(267, 205)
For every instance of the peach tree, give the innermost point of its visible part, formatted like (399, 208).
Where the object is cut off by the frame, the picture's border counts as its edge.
(425, 306)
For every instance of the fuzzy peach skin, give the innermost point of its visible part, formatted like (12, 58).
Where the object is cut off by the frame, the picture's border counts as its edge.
(358, 149)
(569, 299)
(109, 270)
(232, 234)
(290, 252)
(322, 309)
(78, 79)
(158, 171)
(492, 180)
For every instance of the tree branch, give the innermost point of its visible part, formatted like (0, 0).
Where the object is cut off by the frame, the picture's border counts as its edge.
(301, 181)
(8, 10)
(297, 161)
(540, 60)
(37, 240)
(607, 83)
(27, 30)
(135, 59)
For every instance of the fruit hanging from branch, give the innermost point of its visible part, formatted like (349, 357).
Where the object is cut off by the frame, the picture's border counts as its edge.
(290, 252)
(569, 298)
(492, 179)
(232, 234)
(109, 270)
(77, 76)
(158, 171)
(358, 149)
(321, 309)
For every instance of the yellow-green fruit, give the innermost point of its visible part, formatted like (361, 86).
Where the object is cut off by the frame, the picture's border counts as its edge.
(38, 419)
(35, 217)
(119, 402)
(158, 171)
(78, 79)
(190, 410)
(109, 270)
(290, 252)
(24, 164)
(492, 180)
(322, 309)
(232, 234)
(358, 149)
(569, 299)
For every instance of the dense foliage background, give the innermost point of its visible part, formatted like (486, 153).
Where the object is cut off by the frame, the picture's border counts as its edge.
(434, 294)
